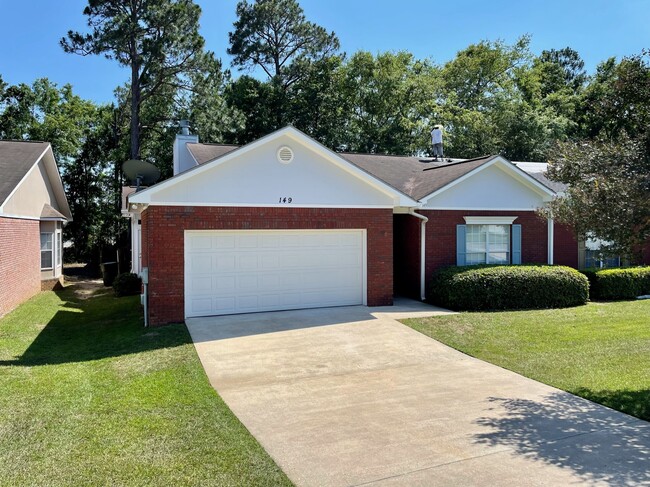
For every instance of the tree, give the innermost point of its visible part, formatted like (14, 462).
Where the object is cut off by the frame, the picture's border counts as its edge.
(390, 99)
(157, 39)
(608, 193)
(275, 36)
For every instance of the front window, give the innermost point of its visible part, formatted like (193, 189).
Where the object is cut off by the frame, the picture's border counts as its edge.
(488, 244)
(46, 250)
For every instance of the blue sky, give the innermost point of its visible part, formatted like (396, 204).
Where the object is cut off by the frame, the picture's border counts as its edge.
(30, 30)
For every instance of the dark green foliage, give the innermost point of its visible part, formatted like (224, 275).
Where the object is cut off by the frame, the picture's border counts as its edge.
(486, 287)
(127, 284)
(613, 284)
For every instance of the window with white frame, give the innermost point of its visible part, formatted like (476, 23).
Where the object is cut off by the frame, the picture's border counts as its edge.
(488, 240)
(59, 248)
(487, 244)
(47, 249)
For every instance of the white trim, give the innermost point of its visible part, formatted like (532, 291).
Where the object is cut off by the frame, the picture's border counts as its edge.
(423, 254)
(144, 196)
(364, 256)
(505, 165)
(31, 169)
(477, 208)
(489, 220)
(19, 217)
(275, 205)
(550, 242)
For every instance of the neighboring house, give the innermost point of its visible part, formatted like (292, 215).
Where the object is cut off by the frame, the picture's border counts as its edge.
(33, 209)
(286, 223)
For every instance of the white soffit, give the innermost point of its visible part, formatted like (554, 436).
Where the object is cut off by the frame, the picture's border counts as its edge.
(489, 220)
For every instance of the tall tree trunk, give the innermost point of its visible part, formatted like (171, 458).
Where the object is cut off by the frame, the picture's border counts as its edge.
(135, 111)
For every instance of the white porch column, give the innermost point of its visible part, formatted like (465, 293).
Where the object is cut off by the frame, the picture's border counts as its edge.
(550, 241)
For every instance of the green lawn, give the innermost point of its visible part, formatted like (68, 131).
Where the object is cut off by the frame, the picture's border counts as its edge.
(90, 397)
(600, 351)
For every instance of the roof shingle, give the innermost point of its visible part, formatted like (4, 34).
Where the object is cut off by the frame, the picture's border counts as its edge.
(16, 159)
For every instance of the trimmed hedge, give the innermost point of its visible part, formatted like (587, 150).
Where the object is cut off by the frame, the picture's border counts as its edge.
(620, 283)
(127, 284)
(489, 287)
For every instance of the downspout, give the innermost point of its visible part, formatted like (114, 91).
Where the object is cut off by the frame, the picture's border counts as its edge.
(423, 240)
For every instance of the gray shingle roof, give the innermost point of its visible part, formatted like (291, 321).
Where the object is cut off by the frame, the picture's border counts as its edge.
(50, 213)
(206, 152)
(16, 159)
(414, 176)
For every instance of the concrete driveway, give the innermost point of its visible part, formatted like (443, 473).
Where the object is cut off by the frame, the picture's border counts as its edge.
(349, 396)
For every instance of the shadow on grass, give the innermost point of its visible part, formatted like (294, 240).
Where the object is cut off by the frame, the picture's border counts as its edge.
(96, 327)
(636, 403)
(595, 443)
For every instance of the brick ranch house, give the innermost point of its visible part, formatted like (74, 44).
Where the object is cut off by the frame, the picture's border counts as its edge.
(33, 209)
(286, 223)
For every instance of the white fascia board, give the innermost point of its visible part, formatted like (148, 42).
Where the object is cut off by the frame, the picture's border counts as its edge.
(31, 169)
(504, 164)
(489, 220)
(400, 199)
(256, 205)
(57, 183)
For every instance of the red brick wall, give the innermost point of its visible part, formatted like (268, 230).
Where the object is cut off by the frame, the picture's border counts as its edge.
(20, 261)
(565, 246)
(163, 230)
(441, 236)
(406, 229)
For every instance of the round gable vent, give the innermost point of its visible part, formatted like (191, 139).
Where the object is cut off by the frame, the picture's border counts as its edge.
(285, 154)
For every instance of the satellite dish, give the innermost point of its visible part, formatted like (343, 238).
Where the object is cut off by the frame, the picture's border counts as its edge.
(140, 172)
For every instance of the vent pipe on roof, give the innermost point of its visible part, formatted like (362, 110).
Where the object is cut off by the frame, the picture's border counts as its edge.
(185, 127)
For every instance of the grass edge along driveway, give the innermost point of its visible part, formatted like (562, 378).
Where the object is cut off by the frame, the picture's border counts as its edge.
(90, 397)
(600, 351)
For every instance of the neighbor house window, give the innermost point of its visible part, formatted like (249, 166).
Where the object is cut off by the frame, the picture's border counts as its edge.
(59, 248)
(46, 250)
(596, 254)
(488, 240)
(487, 244)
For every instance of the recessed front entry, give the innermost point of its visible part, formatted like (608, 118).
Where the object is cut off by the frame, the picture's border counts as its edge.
(246, 271)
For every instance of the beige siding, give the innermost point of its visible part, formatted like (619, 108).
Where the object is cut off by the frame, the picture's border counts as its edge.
(32, 193)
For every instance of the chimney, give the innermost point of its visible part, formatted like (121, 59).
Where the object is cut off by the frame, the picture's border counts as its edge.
(183, 160)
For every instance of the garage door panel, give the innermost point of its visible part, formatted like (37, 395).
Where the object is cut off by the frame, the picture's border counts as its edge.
(247, 271)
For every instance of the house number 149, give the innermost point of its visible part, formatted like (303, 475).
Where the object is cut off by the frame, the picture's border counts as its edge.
(285, 199)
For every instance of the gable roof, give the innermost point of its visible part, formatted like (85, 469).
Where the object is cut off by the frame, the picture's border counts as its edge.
(16, 159)
(214, 155)
(415, 176)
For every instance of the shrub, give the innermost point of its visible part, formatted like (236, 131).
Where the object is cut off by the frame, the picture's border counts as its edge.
(127, 284)
(486, 287)
(623, 283)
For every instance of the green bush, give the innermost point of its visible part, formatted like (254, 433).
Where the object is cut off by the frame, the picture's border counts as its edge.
(622, 283)
(489, 287)
(127, 284)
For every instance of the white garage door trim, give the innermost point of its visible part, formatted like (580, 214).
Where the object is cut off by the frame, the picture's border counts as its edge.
(228, 249)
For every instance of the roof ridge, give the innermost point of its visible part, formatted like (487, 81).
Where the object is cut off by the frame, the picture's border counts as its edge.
(25, 141)
(342, 154)
(215, 144)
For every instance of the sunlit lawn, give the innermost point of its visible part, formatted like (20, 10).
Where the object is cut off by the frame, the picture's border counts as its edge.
(90, 397)
(600, 351)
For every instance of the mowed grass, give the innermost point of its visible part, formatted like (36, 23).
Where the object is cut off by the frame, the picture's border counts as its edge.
(90, 397)
(600, 351)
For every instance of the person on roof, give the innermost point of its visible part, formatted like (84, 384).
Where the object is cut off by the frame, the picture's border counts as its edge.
(436, 142)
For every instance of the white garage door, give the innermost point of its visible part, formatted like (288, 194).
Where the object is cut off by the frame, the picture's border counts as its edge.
(245, 271)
